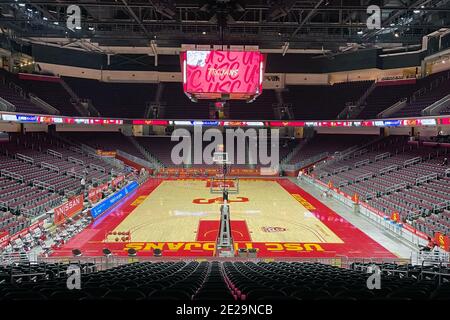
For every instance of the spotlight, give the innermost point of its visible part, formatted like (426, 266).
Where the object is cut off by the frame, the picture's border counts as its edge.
(107, 252)
(76, 253)
(204, 32)
(132, 252)
(396, 35)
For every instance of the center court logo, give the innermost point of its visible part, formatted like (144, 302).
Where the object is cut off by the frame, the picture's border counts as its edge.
(243, 147)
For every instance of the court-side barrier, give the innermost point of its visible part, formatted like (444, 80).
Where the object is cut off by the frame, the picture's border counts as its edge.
(104, 263)
(403, 230)
(113, 199)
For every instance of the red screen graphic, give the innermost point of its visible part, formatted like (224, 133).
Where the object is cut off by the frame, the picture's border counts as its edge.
(224, 72)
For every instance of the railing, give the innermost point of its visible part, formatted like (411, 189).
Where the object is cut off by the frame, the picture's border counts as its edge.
(341, 169)
(44, 105)
(382, 156)
(437, 106)
(74, 174)
(392, 109)
(360, 152)
(388, 169)
(55, 153)
(441, 205)
(396, 187)
(361, 163)
(43, 185)
(24, 158)
(50, 166)
(75, 160)
(12, 175)
(96, 167)
(428, 177)
(75, 100)
(359, 104)
(6, 106)
(363, 177)
(412, 161)
(70, 193)
(75, 149)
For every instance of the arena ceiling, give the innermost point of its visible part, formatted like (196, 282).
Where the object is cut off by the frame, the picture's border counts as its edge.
(305, 24)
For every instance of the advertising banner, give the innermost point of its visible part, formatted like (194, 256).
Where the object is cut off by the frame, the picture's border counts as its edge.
(113, 199)
(68, 209)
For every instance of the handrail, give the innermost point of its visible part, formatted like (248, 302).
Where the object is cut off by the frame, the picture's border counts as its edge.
(394, 108)
(6, 105)
(382, 156)
(437, 106)
(412, 161)
(362, 162)
(96, 167)
(341, 169)
(24, 158)
(44, 105)
(363, 176)
(12, 175)
(74, 174)
(75, 160)
(388, 169)
(396, 187)
(428, 177)
(43, 184)
(55, 153)
(49, 166)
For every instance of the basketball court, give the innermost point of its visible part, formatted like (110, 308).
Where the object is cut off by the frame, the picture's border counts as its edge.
(182, 217)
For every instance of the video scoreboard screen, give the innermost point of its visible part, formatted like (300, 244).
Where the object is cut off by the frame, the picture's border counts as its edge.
(222, 74)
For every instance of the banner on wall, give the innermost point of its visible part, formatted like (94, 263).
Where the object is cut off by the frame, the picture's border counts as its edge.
(442, 241)
(104, 153)
(96, 193)
(4, 239)
(109, 202)
(68, 209)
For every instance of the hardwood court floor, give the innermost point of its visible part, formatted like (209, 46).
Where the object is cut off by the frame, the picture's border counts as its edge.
(181, 217)
(173, 211)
